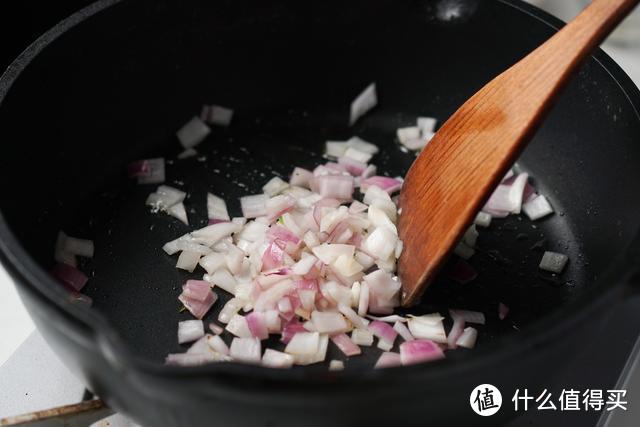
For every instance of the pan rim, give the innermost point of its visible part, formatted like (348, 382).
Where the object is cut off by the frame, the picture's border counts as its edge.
(32, 278)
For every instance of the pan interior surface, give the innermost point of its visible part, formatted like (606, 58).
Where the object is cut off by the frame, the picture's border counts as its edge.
(103, 95)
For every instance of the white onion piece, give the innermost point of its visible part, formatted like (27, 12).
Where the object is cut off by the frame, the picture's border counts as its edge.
(483, 219)
(336, 365)
(553, 262)
(335, 186)
(165, 197)
(318, 356)
(408, 133)
(215, 232)
(335, 148)
(216, 115)
(230, 309)
(277, 359)
(508, 198)
(188, 261)
(156, 174)
(456, 330)
(537, 208)
(468, 338)
(238, 326)
(300, 177)
(387, 360)
(212, 262)
(403, 331)
(468, 316)
(464, 251)
(470, 237)
(190, 330)
(185, 154)
(275, 186)
(254, 206)
(201, 346)
(216, 208)
(178, 211)
(363, 304)
(389, 319)
(217, 344)
(193, 132)
(427, 125)
(190, 359)
(362, 145)
(381, 243)
(246, 350)
(353, 317)
(303, 266)
(222, 279)
(362, 337)
(329, 322)
(79, 247)
(363, 103)
(357, 155)
(269, 298)
(419, 351)
(303, 343)
(428, 327)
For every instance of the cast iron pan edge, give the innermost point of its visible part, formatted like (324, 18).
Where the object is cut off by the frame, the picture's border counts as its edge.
(90, 326)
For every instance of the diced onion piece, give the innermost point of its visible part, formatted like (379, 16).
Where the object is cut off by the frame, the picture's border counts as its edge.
(362, 145)
(470, 236)
(305, 265)
(354, 167)
(469, 316)
(216, 329)
(257, 325)
(426, 125)
(408, 133)
(216, 208)
(508, 198)
(429, 326)
(303, 343)
(335, 148)
(246, 349)
(254, 206)
(390, 185)
(385, 333)
(300, 177)
(198, 359)
(483, 219)
(185, 154)
(335, 186)
(75, 246)
(213, 233)
(216, 115)
(357, 155)
(353, 317)
(222, 279)
(275, 186)
(188, 261)
(464, 251)
(456, 330)
(381, 243)
(193, 132)
(537, 208)
(239, 327)
(403, 331)
(388, 360)
(156, 174)
(363, 304)
(468, 338)
(336, 365)
(418, 351)
(363, 103)
(553, 262)
(329, 322)
(503, 311)
(362, 337)
(178, 211)
(69, 276)
(230, 309)
(277, 359)
(344, 343)
(190, 330)
(217, 344)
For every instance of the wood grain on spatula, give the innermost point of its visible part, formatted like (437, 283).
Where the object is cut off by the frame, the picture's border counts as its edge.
(457, 171)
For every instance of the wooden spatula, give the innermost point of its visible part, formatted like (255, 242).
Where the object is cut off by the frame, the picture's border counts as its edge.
(456, 173)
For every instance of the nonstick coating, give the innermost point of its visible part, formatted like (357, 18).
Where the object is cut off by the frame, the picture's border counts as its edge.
(117, 86)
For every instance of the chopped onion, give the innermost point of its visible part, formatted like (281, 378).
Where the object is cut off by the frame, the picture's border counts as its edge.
(385, 333)
(362, 337)
(390, 185)
(362, 145)
(239, 327)
(230, 309)
(69, 276)
(277, 359)
(303, 343)
(537, 208)
(336, 365)
(193, 132)
(468, 338)
(354, 167)
(335, 148)
(216, 115)
(155, 171)
(428, 327)
(197, 297)
(216, 208)
(254, 206)
(344, 343)
(388, 360)
(470, 236)
(508, 198)
(216, 329)
(257, 325)
(329, 322)
(246, 350)
(418, 351)
(178, 211)
(553, 262)
(503, 311)
(408, 133)
(353, 317)
(357, 155)
(275, 186)
(217, 344)
(456, 330)
(189, 152)
(403, 331)
(363, 103)
(427, 125)
(300, 177)
(468, 316)
(483, 219)
(190, 330)
(335, 186)
(188, 261)
(464, 251)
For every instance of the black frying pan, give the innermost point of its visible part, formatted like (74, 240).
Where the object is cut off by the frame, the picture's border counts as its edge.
(112, 84)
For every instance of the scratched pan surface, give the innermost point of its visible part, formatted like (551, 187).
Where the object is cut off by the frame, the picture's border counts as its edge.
(81, 111)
